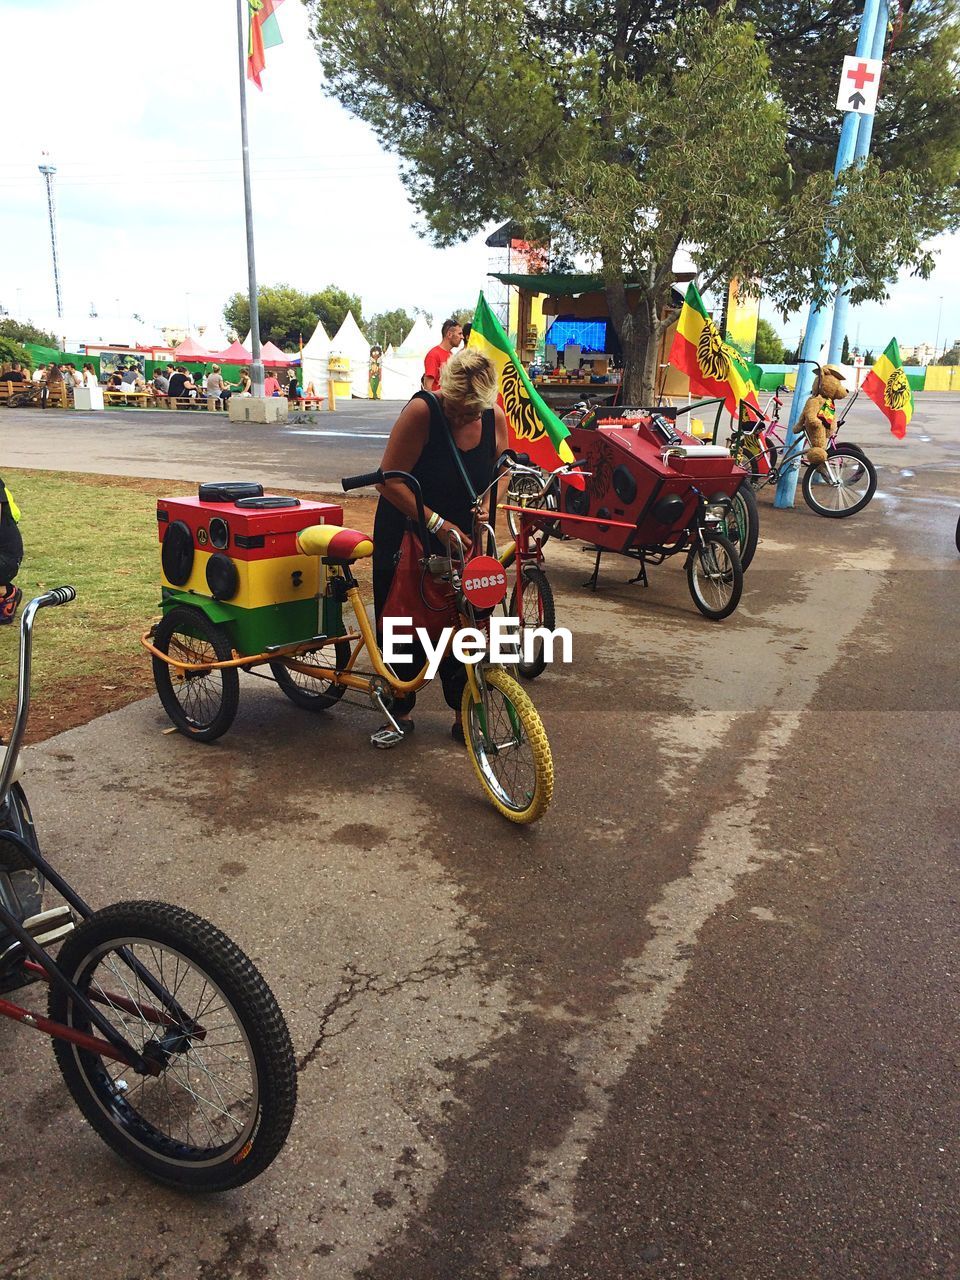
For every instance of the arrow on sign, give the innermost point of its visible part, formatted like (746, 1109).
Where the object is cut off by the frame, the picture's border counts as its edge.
(856, 100)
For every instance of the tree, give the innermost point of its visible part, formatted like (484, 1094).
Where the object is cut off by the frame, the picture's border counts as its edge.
(769, 344)
(950, 357)
(619, 130)
(845, 351)
(388, 327)
(287, 314)
(463, 315)
(11, 352)
(18, 332)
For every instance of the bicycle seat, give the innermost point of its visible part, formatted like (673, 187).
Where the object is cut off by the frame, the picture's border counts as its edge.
(333, 542)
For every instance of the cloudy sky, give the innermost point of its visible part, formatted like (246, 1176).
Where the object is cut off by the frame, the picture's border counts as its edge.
(137, 105)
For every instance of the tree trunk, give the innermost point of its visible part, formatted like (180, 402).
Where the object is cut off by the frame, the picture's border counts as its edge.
(639, 333)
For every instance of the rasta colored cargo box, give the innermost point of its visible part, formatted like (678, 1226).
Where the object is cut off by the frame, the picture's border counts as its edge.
(232, 551)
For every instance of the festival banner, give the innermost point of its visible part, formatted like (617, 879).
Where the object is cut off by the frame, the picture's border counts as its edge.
(264, 34)
(887, 386)
(712, 365)
(534, 428)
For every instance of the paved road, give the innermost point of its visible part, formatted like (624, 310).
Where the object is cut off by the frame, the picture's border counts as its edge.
(700, 1022)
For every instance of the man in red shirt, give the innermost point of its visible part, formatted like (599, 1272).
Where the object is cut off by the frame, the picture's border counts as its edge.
(451, 336)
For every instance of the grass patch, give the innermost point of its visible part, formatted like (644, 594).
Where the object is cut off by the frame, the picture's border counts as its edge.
(98, 534)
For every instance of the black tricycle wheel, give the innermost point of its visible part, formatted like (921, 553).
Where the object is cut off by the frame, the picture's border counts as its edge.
(202, 704)
(309, 692)
(743, 523)
(538, 611)
(715, 576)
(221, 1108)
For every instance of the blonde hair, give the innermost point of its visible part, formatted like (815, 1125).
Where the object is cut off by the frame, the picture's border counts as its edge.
(469, 381)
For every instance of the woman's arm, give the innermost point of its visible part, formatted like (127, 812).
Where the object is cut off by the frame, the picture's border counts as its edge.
(407, 442)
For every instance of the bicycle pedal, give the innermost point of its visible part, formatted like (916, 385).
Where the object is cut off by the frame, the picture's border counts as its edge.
(50, 926)
(386, 738)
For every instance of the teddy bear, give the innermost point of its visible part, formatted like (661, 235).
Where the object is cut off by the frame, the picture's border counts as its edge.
(818, 415)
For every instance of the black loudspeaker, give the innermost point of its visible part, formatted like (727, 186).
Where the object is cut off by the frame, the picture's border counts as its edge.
(229, 490)
(176, 553)
(624, 485)
(223, 579)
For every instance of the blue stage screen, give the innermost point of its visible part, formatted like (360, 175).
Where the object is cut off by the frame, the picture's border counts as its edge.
(590, 335)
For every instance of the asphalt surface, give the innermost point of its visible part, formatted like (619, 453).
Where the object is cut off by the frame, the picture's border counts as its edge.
(701, 1021)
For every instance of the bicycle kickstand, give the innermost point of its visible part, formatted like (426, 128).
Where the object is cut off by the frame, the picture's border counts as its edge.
(642, 575)
(592, 580)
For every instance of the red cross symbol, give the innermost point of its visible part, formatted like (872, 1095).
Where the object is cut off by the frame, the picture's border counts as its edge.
(860, 75)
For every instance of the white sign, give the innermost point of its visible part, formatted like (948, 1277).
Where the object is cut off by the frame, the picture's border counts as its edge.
(859, 85)
(858, 362)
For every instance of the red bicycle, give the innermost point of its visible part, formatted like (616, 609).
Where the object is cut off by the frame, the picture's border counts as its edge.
(168, 1038)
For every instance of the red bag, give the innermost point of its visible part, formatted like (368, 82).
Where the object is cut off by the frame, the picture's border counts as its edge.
(416, 594)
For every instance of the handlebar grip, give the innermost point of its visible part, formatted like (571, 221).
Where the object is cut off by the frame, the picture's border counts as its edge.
(59, 595)
(523, 459)
(361, 481)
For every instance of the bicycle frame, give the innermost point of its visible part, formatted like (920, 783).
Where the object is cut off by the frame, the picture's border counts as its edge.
(763, 429)
(41, 965)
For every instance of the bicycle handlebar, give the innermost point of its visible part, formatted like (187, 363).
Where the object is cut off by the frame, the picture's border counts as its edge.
(361, 481)
(58, 596)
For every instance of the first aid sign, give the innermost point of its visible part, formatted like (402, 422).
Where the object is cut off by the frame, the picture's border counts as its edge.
(859, 85)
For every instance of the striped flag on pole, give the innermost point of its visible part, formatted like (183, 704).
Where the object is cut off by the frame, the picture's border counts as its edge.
(264, 34)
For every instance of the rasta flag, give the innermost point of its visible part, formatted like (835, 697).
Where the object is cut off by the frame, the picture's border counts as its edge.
(534, 428)
(264, 34)
(712, 365)
(887, 386)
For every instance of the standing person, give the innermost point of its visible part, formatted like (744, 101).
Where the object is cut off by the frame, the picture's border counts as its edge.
(451, 335)
(213, 385)
(464, 412)
(11, 554)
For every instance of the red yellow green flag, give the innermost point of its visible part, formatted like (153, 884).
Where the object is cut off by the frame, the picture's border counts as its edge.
(712, 365)
(264, 34)
(887, 386)
(534, 428)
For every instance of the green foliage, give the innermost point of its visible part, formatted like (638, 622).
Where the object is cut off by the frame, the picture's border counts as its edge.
(463, 315)
(769, 344)
(388, 327)
(18, 332)
(287, 314)
(950, 357)
(621, 129)
(11, 351)
(845, 351)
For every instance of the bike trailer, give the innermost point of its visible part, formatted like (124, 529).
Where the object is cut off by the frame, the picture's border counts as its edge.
(232, 552)
(643, 482)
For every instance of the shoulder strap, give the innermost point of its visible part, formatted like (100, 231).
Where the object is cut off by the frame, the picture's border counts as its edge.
(440, 417)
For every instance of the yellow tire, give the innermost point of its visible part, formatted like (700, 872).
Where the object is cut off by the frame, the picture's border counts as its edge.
(510, 755)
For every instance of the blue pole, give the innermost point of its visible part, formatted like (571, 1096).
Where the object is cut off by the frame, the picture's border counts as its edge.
(841, 311)
(817, 319)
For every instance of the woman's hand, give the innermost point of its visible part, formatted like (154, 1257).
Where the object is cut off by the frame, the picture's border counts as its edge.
(450, 535)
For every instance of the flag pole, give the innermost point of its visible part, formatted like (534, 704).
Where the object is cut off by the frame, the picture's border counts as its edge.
(256, 367)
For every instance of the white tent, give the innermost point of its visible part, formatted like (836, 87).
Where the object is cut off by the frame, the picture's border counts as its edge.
(349, 341)
(316, 354)
(419, 340)
(403, 368)
(214, 339)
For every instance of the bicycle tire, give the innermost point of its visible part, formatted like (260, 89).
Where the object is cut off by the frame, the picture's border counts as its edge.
(522, 491)
(202, 705)
(130, 1117)
(725, 580)
(542, 601)
(306, 691)
(527, 796)
(814, 483)
(743, 526)
(957, 535)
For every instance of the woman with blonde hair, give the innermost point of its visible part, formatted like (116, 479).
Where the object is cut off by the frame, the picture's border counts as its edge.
(463, 416)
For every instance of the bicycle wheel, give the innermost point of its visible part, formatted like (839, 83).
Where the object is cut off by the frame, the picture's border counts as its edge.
(524, 491)
(509, 751)
(221, 1108)
(743, 523)
(538, 611)
(309, 692)
(841, 486)
(202, 704)
(957, 535)
(715, 576)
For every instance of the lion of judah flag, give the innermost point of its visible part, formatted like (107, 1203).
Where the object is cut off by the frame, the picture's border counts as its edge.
(887, 386)
(712, 365)
(534, 428)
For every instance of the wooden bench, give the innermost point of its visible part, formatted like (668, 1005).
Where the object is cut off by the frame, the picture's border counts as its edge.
(56, 395)
(131, 398)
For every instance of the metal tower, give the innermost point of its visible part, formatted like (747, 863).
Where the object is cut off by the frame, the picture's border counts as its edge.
(48, 170)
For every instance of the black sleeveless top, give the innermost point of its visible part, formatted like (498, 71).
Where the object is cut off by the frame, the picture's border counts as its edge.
(443, 490)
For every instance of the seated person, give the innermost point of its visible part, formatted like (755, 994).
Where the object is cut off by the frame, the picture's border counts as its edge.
(177, 383)
(13, 374)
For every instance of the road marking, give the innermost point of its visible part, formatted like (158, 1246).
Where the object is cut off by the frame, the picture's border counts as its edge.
(350, 435)
(726, 853)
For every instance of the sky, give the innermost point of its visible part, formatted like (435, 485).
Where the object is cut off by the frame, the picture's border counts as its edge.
(139, 112)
